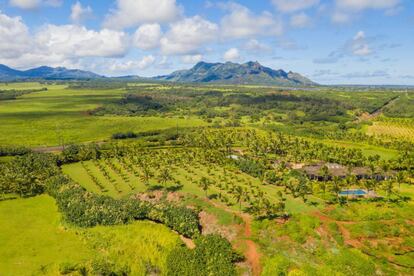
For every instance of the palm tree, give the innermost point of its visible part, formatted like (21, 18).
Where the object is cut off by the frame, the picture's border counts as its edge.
(204, 184)
(165, 176)
(399, 178)
(239, 195)
(336, 188)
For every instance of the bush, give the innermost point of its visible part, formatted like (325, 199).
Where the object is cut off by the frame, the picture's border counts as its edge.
(14, 151)
(76, 153)
(27, 175)
(127, 135)
(213, 255)
(86, 209)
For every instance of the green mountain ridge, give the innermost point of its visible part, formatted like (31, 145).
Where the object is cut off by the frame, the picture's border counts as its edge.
(234, 73)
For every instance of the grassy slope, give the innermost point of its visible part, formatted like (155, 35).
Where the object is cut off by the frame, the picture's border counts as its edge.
(31, 237)
(189, 177)
(34, 242)
(40, 119)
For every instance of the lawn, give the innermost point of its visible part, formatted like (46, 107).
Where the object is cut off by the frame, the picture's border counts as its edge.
(59, 114)
(34, 241)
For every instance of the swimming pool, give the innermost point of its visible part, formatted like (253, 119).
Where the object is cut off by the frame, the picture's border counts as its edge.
(357, 192)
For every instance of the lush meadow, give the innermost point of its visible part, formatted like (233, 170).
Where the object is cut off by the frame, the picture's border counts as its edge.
(160, 179)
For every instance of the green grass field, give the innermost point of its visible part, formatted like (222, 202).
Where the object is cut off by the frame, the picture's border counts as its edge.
(46, 118)
(35, 242)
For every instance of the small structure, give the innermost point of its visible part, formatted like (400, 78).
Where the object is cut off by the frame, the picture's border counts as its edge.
(314, 171)
(358, 193)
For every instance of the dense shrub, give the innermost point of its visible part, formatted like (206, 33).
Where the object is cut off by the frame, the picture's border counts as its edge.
(251, 167)
(27, 175)
(13, 151)
(86, 209)
(76, 153)
(127, 135)
(213, 255)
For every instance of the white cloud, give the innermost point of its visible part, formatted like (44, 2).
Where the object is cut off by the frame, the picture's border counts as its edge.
(294, 5)
(346, 10)
(232, 54)
(131, 65)
(148, 36)
(242, 23)
(77, 41)
(300, 20)
(33, 4)
(14, 37)
(359, 5)
(56, 45)
(256, 46)
(192, 59)
(25, 4)
(359, 45)
(79, 12)
(130, 13)
(188, 35)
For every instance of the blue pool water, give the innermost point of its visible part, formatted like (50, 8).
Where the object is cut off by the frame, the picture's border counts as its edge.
(353, 192)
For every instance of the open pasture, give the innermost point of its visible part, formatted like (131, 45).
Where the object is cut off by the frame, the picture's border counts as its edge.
(60, 116)
(34, 241)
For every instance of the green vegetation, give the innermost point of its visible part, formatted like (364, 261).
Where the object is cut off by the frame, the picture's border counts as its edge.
(33, 240)
(163, 179)
(61, 116)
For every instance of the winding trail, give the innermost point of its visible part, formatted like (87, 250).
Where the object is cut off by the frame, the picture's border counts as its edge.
(376, 113)
(251, 252)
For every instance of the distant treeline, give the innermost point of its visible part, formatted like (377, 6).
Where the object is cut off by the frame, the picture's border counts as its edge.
(13, 94)
(14, 150)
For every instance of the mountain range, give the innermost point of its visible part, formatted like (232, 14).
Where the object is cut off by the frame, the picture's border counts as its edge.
(45, 72)
(224, 73)
(234, 73)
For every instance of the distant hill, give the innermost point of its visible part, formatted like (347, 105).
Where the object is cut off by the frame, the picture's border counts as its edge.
(234, 73)
(226, 73)
(45, 72)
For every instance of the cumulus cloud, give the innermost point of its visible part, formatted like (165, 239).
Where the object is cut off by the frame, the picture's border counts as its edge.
(294, 5)
(358, 46)
(56, 45)
(346, 10)
(14, 37)
(79, 12)
(131, 65)
(77, 41)
(300, 20)
(33, 4)
(232, 54)
(256, 46)
(130, 13)
(240, 22)
(188, 35)
(148, 36)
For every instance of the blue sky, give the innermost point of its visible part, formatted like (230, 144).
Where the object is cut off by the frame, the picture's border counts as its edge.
(332, 42)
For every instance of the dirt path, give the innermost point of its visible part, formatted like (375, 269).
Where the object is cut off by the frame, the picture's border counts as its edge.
(251, 253)
(369, 116)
